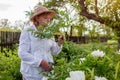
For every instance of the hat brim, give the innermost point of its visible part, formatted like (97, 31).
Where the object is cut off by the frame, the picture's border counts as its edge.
(50, 13)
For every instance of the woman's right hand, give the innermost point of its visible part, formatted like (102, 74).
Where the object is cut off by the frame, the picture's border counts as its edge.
(61, 39)
(45, 65)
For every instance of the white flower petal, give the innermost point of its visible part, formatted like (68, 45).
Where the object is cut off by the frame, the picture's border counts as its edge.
(98, 53)
(68, 79)
(77, 75)
(100, 78)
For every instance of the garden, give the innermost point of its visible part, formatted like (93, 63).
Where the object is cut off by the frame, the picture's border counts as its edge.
(75, 62)
(91, 50)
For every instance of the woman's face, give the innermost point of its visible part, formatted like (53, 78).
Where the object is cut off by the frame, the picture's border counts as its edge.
(43, 19)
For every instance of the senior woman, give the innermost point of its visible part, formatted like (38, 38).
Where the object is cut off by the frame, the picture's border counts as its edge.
(36, 53)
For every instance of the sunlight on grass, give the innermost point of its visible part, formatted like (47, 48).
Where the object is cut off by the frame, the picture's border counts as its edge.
(112, 41)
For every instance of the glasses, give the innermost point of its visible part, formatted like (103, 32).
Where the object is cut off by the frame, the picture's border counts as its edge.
(44, 14)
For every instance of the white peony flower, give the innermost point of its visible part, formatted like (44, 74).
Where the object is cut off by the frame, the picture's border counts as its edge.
(81, 60)
(100, 78)
(45, 78)
(76, 75)
(118, 51)
(98, 53)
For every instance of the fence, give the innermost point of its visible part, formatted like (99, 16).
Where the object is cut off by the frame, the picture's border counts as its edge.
(84, 39)
(8, 39)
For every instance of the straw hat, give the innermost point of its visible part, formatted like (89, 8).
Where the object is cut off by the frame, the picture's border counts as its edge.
(41, 9)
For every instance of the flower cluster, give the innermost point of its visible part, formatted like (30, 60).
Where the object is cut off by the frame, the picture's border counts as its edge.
(98, 53)
(76, 75)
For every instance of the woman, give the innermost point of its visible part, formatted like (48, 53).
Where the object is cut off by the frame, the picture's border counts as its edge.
(36, 53)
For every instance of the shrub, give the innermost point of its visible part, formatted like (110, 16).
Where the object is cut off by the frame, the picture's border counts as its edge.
(10, 65)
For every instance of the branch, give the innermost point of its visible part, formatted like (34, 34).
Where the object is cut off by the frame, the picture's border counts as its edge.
(96, 8)
(85, 13)
(92, 16)
(81, 2)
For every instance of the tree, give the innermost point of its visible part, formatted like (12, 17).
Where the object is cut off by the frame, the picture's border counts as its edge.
(4, 23)
(107, 14)
(19, 24)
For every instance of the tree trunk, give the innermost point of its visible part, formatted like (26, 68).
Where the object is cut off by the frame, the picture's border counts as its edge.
(71, 31)
(118, 43)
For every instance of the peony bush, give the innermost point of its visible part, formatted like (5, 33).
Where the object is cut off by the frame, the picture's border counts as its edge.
(98, 62)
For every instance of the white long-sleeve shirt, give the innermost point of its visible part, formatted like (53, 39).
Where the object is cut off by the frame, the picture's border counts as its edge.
(32, 51)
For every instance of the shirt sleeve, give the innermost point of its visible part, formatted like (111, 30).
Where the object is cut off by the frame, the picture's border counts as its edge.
(56, 49)
(24, 51)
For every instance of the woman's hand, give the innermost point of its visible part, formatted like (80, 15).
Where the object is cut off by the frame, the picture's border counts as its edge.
(45, 65)
(61, 40)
